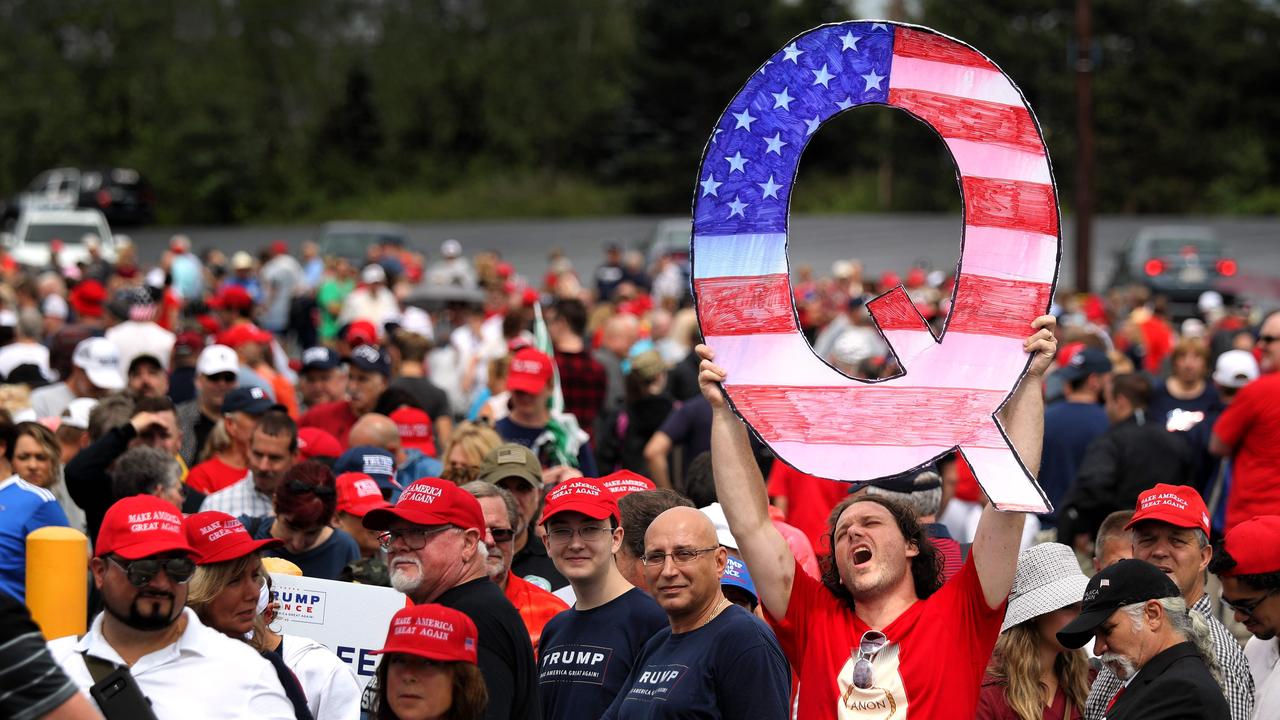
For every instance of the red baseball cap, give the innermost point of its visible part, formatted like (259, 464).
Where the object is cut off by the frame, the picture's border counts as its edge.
(362, 332)
(218, 537)
(584, 495)
(139, 526)
(625, 482)
(1252, 544)
(530, 371)
(430, 501)
(232, 297)
(434, 632)
(238, 335)
(358, 494)
(415, 429)
(1178, 505)
(314, 442)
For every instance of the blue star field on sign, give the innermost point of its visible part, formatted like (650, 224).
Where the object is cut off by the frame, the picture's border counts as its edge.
(752, 158)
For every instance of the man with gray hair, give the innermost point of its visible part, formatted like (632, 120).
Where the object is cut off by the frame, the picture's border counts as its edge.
(922, 493)
(146, 470)
(1146, 636)
(1114, 541)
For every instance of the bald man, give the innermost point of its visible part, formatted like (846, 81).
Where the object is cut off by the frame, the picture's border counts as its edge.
(715, 660)
(381, 431)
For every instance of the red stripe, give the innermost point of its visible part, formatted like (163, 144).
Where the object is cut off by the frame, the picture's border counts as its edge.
(930, 46)
(996, 306)
(966, 119)
(871, 415)
(737, 305)
(1012, 204)
(894, 311)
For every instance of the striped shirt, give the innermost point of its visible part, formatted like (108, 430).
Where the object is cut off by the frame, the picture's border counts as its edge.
(31, 683)
(1233, 667)
(242, 498)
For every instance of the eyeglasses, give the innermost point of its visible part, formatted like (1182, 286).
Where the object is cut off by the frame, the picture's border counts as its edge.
(681, 557)
(590, 533)
(1247, 607)
(222, 377)
(872, 642)
(413, 538)
(1265, 339)
(298, 487)
(502, 535)
(142, 571)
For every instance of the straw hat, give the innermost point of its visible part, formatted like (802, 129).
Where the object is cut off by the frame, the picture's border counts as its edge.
(1048, 579)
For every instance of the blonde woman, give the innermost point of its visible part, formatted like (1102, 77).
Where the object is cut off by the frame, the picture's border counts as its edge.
(467, 447)
(1032, 676)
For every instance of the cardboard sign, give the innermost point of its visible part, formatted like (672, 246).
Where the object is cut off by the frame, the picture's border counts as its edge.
(349, 619)
(814, 417)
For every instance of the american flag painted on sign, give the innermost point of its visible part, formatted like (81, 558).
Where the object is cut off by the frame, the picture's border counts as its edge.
(814, 417)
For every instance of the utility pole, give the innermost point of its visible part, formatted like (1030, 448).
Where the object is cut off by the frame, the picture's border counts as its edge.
(1084, 143)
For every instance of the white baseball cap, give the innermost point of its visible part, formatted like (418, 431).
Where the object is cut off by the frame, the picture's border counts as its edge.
(216, 359)
(77, 413)
(1235, 369)
(715, 514)
(416, 320)
(373, 273)
(451, 248)
(100, 360)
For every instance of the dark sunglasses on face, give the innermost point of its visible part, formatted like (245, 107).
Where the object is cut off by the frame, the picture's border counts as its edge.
(502, 535)
(297, 487)
(222, 377)
(1267, 339)
(142, 571)
(1247, 607)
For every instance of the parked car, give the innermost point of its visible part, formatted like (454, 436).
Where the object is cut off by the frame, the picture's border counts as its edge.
(1178, 261)
(351, 239)
(122, 194)
(38, 232)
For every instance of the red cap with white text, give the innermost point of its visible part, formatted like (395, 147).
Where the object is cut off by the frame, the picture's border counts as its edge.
(434, 632)
(1178, 505)
(585, 496)
(218, 537)
(358, 494)
(139, 526)
(625, 482)
(430, 501)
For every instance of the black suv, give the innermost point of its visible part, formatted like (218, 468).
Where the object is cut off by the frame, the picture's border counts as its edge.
(122, 194)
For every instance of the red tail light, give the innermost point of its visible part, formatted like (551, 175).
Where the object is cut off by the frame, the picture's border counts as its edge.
(1154, 267)
(1227, 267)
(104, 198)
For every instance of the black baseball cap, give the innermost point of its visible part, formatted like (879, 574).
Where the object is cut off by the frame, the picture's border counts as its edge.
(370, 359)
(1124, 583)
(319, 358)
(253, 400)
(1087, 361)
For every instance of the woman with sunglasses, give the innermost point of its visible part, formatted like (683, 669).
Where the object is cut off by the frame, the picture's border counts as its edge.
(304, 504)
(1032, 676)
(465, 452)
(229, 588)
(428, 670)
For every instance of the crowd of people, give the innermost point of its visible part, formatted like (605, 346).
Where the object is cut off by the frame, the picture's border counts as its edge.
(581, 525)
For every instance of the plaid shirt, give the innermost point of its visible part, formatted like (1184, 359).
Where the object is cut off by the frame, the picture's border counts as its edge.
(583, 384)
(240, 499)
(1237, 681)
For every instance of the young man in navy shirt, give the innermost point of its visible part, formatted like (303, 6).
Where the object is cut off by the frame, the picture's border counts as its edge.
(587, 651)
(715, 660)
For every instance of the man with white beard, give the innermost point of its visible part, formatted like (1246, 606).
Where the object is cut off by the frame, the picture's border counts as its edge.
(433, 537)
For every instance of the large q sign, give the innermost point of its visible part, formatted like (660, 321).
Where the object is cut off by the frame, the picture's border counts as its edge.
(815, 418)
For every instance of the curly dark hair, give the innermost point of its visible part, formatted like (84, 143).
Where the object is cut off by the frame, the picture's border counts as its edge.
(926, 568)
(1223, 562)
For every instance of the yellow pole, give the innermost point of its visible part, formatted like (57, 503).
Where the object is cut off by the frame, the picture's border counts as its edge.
(57, 580)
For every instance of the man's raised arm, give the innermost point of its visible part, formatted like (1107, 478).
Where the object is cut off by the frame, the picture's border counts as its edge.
(741, 492)
(995, 546)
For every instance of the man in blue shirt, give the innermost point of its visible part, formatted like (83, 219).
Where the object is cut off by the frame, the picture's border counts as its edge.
(1073, 423)
(587, 651)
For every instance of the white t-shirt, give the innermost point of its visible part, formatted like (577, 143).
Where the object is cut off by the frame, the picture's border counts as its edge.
(1262, 656)
(205, 675)
(332, 691)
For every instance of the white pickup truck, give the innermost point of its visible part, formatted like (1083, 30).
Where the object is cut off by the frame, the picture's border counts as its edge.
(31, 242)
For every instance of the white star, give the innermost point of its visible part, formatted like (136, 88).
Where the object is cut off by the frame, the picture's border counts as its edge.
(736, 207)
(792, 53)
(811, 126)
(880, 26)
(744, 120)
(822, 77)
(849, 42)
(873, 80)
(775, 144)
(782, 99)
(845, 104)
(709, 186)
(766, 64)
(737, 163)
(770, 188)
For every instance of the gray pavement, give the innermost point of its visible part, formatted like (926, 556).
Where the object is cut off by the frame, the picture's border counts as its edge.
(881, 242)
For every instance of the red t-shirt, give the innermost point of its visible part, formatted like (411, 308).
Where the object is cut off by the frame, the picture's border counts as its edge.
(335, 418)
(931, 669)
(1251, 425)
(213, 475)
(809, 501)
(535, 605)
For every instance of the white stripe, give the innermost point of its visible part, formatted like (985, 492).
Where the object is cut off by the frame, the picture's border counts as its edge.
(960, 81)
(21, 484)
(1009, 254)
(739, 255)
(989, 160)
